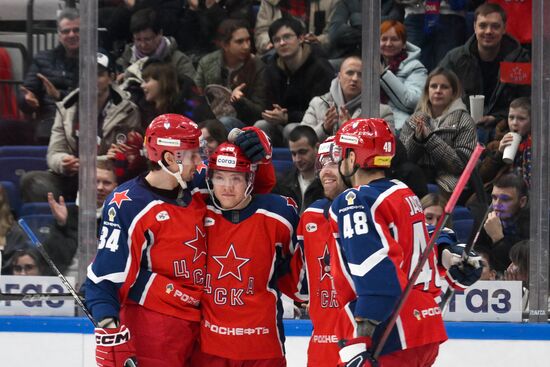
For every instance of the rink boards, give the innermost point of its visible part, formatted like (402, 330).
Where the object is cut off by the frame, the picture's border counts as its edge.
(68, 341)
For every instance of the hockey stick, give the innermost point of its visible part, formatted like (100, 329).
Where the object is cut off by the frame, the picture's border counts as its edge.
(51, 264)
(429, 248)
(33, 297)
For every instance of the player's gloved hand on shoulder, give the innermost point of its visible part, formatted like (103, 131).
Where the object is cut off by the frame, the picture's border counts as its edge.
(255, 144)
(461, 273)
(355, 353)
(113, 347)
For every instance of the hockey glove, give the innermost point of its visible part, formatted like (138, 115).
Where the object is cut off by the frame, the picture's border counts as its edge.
(356, 353)
(255, 144)
(461, 273)
(113, 348)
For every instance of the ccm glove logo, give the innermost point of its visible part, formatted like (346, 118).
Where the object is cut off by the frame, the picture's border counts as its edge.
(110, 340)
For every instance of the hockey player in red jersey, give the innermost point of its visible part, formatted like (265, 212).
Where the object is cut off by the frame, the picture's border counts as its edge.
(311, 261)
(249, 238)
(380, 232)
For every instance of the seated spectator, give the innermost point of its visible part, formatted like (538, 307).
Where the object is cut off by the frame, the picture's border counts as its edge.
(213, 133)
(345, 29)
(326, 113)
(440, 135)
(236, 68)
(28, 261)
(437, 30)
(53, 74)
(62, 242)
(507, 223)
(301, 183)
(519, 121)
(150, 42)
(489, 272)
(12, 237)
(295, 75)
(477, 64)
(314, 14)
(433, 206)
(211, 13)
(162, 93)
(117, 117)
(519, 269)
(402, 75)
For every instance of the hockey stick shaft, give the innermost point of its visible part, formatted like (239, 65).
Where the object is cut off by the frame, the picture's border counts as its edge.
(429, 248)
(52, 265)
(31, 297)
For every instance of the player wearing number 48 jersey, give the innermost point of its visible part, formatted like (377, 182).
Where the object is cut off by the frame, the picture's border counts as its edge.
(380, 232)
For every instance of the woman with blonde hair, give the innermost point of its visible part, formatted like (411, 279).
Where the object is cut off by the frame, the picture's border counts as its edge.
(441, 134)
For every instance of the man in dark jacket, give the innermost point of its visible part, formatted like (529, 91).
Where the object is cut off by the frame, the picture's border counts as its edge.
(507, 223)
(52, 75)
(295, 75)
(301, 183)
(477, 64)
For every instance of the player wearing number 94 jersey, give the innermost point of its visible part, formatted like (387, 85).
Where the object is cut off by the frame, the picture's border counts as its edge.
(380, 233)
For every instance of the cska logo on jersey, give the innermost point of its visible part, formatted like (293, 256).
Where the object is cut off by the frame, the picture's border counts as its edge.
(194, 243)
(119, 198)
(324, 264)
(201, 167)
(230, 264)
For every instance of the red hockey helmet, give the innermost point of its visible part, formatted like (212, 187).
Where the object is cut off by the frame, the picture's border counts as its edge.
(229, 157)
(324, 153)
(173, 133)
(370, 138)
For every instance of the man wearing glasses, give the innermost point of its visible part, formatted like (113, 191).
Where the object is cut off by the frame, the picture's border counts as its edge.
(52, 75)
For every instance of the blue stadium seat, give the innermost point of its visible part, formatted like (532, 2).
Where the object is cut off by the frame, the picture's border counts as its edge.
(432, 188)
(12, 192)
(24, 151)
(38, 208)
(282, 167)
(282, 154)
(461, 212)
(12, 168)
(40, 224)
(463, 229)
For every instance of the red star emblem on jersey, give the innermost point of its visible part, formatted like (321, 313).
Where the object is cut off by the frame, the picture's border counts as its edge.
(230, 264)
(324, 264)
(291, 202)
(201, 167)
(119, 197)
(198, 253)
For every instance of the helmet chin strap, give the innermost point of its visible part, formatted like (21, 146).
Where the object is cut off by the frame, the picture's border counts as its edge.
(247, 195)
(176, 175)
(346, 178)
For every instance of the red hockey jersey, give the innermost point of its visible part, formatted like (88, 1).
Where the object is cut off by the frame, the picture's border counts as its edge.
(381, 233)
(242, 313)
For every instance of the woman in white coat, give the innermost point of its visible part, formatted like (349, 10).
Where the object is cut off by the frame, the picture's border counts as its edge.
(402, 74)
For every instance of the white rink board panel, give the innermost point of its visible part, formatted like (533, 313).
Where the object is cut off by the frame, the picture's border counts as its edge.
(60, 342)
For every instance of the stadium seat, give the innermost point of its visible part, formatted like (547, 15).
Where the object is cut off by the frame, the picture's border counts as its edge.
(463, 229)
(15, 167)
(282, 167)
(39, 151)
(461, 212)
(12, 192)
(432, 188)
(282, 154)
(38, 208)
(40, 224)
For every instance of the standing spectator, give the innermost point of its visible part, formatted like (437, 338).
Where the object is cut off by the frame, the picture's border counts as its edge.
(52, 75)
(440, 135)
(116, 118)
(295, 75)
(149, 41)
(507, 223)
(301, 184)
(12, 237)
(402, 75)
(162, 92)
(235, 67)
(249, 241)
(326, 113)
(345, 29)
(519, 121)
(314, 14)
(477, 64)
(436, 29)
(62, 243)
